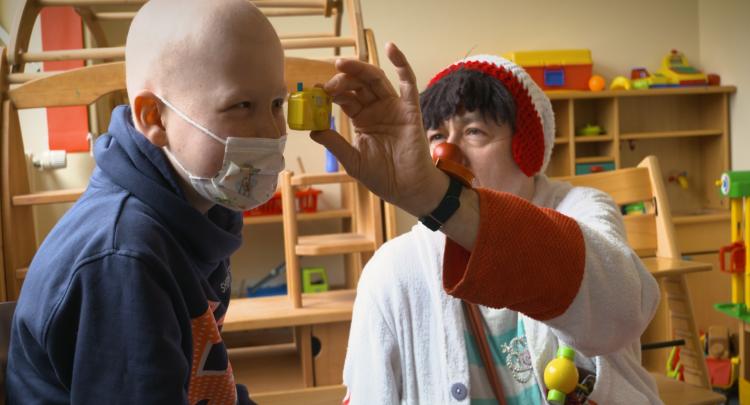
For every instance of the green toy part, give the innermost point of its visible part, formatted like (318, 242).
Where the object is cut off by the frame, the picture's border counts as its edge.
(314, 280)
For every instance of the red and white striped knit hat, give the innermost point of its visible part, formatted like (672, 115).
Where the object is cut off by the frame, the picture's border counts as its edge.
(535, 121)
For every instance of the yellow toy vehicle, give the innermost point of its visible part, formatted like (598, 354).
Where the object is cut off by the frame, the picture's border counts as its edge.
(677, 70)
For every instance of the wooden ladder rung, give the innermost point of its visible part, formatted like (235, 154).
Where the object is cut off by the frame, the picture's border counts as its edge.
(115, 15)
(117, 52)
(306, 35)
(21, 273)
(86, 3)
(682, 317)
(292, 12)
(321, 178)
(333, 244)
(289, 3)
(48, 197)
(18, 78)
(309, 43)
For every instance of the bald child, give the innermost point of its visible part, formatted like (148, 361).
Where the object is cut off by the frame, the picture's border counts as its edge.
(125, 299)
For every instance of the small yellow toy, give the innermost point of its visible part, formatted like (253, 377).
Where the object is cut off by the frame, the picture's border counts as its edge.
(620, 83)
(561, 375)
(309, 110)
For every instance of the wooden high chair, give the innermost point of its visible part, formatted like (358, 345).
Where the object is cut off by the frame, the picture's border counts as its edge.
(75, 87)
(651, 235)
(93, 17)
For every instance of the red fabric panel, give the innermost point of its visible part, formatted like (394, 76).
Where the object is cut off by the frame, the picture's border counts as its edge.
(68, 126)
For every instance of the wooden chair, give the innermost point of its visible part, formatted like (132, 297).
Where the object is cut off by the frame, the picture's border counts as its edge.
(3, 97)
(93, 18)
(652, 237)
(6, 318)
(76, 87)
(362, 241)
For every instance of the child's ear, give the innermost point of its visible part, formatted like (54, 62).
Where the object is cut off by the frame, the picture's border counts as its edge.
(147, 118)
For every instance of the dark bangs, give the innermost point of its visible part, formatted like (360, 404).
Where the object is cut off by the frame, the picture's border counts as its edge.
(467, 90)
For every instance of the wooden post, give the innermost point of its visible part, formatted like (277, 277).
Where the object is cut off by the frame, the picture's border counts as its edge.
(289, 217)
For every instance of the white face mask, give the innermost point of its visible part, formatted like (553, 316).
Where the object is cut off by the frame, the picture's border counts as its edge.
(249, 174)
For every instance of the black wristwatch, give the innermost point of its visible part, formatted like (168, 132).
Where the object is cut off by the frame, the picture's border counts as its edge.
(447, 207)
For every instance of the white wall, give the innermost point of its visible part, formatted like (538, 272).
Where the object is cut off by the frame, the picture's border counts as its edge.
(724, 34)
(620, 34)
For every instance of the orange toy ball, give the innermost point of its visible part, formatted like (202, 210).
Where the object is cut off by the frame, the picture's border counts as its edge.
(596, 83)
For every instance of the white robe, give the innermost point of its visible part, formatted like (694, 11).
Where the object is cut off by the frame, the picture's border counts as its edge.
(407, 346)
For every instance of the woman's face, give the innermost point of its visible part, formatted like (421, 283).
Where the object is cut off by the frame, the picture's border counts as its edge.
(487, 150)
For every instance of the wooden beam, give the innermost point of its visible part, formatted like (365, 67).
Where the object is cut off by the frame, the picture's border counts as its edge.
(71, 87)
(48, 197)
(117, 52)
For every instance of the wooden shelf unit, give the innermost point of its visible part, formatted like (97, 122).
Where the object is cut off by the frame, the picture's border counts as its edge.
(687, 128)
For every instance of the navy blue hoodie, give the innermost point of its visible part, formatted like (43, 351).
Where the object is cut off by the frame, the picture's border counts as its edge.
(124, 300)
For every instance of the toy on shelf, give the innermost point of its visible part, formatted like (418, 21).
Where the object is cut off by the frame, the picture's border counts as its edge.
(676, 68)
(638, 208)
(270, 207)
(597, 83)
(561, 375)
(736, 186)
(556, 70)
(597, 167)
(260, 289)
(723, 367)
(680, 179)
(620, 83)
(640, 78)
(713, 79)
(309, 110)
(314, 280)
(590, 130)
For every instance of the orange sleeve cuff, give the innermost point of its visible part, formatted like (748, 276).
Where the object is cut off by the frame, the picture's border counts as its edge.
(525, 258)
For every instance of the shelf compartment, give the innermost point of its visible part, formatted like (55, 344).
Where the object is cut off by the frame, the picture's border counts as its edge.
(670, 134)
(705, 231)
(594, 138)
(671, 113)
(563, 119)
(601, 112)
(595, 159)
(277, 311)
(684, 156)
(267, 368)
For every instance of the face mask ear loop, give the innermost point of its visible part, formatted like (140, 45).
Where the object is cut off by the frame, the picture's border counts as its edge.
(175, 160)
(190, 120)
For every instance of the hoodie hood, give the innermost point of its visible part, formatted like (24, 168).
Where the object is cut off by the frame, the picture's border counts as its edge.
(129, 160)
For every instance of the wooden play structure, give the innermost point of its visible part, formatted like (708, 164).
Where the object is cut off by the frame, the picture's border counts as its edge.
(307, 360)
(736, 186)
(326, 315)
(651, 234)
(298, 341)
(96, 14)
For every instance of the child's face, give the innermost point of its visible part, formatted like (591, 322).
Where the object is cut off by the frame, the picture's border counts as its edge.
(487, 149)
(238, 90)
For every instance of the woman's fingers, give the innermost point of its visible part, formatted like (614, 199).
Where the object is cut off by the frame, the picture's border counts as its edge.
(369, 75)
(349, 102)
(343, 83)
(407, 78)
